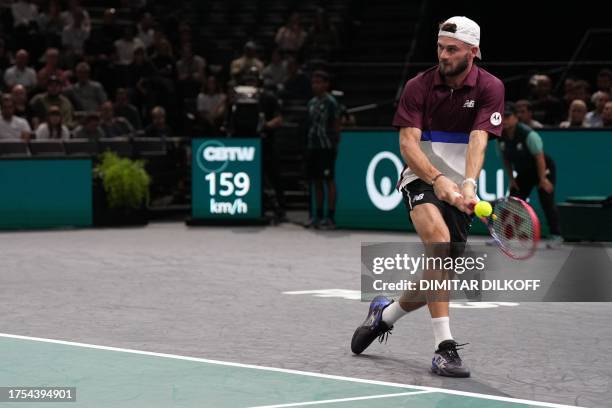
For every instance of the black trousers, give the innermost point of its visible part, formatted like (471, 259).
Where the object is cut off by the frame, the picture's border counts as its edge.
(527, 180)
(272, 171)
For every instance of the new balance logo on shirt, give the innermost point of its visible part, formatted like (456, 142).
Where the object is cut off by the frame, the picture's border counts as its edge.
(469, 103)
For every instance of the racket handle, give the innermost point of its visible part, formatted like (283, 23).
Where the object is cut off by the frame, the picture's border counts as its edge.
(470, 205)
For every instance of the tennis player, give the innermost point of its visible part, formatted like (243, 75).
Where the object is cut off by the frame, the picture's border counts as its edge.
(444, 116)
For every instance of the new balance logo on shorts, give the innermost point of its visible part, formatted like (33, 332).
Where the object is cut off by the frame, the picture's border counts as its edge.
(418, 197)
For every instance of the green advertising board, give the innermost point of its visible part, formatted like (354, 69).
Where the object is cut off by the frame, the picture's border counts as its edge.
(45, 193)
(369, 164)
(226, 179)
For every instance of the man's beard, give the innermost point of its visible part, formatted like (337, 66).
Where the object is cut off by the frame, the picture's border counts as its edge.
(461, 66)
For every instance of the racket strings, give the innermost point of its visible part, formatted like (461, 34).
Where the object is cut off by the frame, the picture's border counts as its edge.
(513, 226)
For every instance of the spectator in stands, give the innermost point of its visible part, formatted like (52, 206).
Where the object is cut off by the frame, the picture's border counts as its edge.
(52, 128)
(145, 29)
(111, 125)
(249, 59)
(546, 108)
(185, 34)
(101, 42)
(75, 11)
(322, 39)
(577, 113)
(51, 24)
(593, 118)
(297, 85)
(6, 59)
(322, 140)
(11, 126)
(524, 112)
(74, 36)
(21, 105)
(569, 84)
(86, 94)
(158, 128)
(51, 67)
(604, 80)
(42, 102)
(290, 37)
(24, 13)
(211, 105)
(190, 67)
(576, 89)
(141, 68)
(606, 115)
(124, 109)
(127, 46)
(20, 73)
(163, 60)
(275, 73)
(90, 129)
(24, 32)
(143, 81)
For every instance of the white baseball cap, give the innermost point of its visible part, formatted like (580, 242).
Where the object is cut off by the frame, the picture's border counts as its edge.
(467, 31)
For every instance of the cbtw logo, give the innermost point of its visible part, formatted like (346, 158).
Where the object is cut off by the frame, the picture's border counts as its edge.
(383, 194)
(213, 156)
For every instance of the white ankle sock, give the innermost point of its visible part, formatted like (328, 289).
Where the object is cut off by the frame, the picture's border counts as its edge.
(393, 313)
(441, 329)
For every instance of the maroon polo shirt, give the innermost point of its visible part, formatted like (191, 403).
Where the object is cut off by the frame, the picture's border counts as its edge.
(446, 116)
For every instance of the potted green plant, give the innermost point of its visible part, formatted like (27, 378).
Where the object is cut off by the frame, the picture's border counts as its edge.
(121, 191)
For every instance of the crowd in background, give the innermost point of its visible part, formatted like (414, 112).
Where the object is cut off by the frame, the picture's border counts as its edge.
(63, 76)
(579, 106)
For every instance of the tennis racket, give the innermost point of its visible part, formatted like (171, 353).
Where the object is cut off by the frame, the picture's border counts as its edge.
(514, 227)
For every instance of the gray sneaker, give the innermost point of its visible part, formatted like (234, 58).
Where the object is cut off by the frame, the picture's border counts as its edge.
(446, 361)
(554, 241)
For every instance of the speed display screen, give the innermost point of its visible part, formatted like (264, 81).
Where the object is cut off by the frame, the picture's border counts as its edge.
(226, 179)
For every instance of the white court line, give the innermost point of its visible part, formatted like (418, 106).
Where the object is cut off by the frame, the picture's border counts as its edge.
(331, 401)
(287, 371)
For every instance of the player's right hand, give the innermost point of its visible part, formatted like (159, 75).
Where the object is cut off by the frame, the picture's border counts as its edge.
(448, 191)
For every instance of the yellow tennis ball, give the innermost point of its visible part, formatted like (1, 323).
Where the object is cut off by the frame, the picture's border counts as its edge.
(483, 209)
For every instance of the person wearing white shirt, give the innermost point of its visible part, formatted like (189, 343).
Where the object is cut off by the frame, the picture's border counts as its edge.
(126, 46)
(75, 35)
(53, 128)
(11, 126)
(593, 118)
